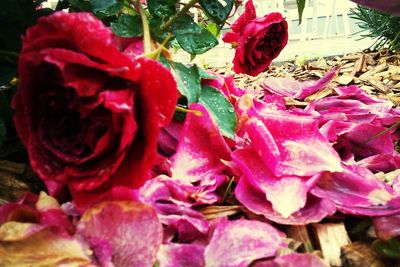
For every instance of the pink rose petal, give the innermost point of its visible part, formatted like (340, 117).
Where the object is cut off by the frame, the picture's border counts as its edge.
(129, 231)
(294, 260)
(314, 210)
(357, 191)
(238, 243)
(182, 255)
(200, 150)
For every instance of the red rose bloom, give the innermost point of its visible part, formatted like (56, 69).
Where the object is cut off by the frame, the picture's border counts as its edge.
(257, 40)
(88, 115)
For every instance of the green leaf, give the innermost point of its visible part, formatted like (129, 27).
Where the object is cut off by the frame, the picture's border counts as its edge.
(197, 44)
(127, 26)
(205, 75)
(188, 80)
(185, 25)
(390, 248)
(7, 73)
(191, 37)
(217, 10)
(162, 8)
(221, 110)
(3, 132)
(213, 28)
(81, 5)
(300, 8)
(106, 8)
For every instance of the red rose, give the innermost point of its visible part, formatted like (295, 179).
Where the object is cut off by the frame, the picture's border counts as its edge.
(88, 115)
(257, 40)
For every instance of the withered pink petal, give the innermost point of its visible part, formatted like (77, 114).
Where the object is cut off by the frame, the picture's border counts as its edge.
(25, 244)
(366, 140)
(357, 191)
(304, 151)
(387, 227)
(173, 202)
(200, 150)
(50, 213)
(182, 255)
(319, 85)
(240, 242)
(286, 194)
(294, 260)
(314, 211)
(134, 240)
(282, 86)
(381, 162)
(292, 88)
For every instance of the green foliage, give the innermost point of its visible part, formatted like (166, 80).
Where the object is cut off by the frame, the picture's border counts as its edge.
(300, 8)
(188, 80)
(380, 26)
(80, 5)
(191, 37)
(106, 8)
(216, 10)
(389, 248)
(221, 110)
(162, 8)
(127, 26)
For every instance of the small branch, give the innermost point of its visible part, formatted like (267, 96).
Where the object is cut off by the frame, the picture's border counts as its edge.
(179, 14)
(145, 23)
(10, 55)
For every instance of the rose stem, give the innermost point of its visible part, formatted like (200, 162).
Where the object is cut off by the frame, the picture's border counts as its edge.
(145, 23)
(179, 14)
(185, 110)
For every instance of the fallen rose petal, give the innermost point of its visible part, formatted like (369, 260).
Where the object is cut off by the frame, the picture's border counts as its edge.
(300, 90)
(200, 150)
(282, 86)
(381, 162)
(365, 139)
(319, 85)
(287, 195)
(314, 210)
(226, 85)
(169, 137)
(23, 244)
(240, 242)
(22, 210)
(294, 260)
(387, 227)
(173, 202)
(182, 255)
(357, 191)
(131, 231)
(303, 150)
(50, 213)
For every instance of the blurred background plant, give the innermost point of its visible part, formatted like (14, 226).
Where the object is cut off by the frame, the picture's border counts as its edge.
(385, 28)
